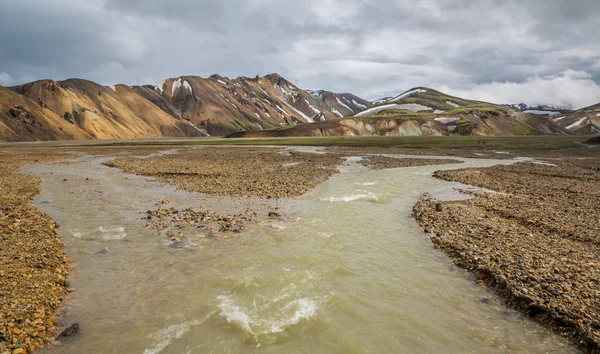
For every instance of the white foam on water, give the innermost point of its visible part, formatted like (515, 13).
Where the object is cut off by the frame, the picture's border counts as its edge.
(166, 335)
(365, 183)
(117, 233)
(290, 314)
(353, 197)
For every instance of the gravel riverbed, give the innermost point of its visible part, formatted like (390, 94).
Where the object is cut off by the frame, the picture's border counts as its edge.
(536, 242)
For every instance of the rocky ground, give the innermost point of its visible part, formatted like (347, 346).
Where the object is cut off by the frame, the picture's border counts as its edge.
(537, 242)
(32, 265)
(384, 162)
(271, 173)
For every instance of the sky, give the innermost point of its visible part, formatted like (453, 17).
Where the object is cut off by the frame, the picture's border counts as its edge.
(531, 51)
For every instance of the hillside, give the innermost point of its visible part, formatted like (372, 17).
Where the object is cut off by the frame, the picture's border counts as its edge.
(584, 121)
(229, 105)
(182, 106)
(100, 112)
(423, 111)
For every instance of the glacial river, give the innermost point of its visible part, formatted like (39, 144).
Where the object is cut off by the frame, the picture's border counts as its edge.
(347, 271)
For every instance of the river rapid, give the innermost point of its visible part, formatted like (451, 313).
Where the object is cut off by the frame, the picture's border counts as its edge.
(346, 270)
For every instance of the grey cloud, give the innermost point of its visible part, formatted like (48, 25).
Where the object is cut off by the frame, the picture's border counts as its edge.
(368, 47)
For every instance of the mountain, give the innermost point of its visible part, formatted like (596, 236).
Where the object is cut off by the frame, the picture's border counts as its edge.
(584, 121)
(230, 105)
(424, 111)
(97, 112)
(543, 110)
(177, 107)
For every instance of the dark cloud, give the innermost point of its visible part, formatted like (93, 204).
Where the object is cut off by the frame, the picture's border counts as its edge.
(368, 47)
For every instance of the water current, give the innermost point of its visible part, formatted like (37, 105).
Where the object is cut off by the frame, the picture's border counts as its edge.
(347, 270)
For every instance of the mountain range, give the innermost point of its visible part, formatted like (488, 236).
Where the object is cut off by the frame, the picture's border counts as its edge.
(260, 106)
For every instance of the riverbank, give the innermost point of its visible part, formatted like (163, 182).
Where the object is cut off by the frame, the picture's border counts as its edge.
(33, 267)
(536, 243)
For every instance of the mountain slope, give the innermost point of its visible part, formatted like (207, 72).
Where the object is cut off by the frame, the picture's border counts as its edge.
(423, 111)
(584, 121)
(115, 112)
(228, 105)
(24, 119)
(182, 106)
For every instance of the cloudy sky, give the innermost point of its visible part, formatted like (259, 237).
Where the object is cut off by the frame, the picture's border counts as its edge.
(533, 51)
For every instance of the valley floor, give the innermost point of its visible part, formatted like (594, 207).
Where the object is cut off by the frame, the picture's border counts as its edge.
(536, 241)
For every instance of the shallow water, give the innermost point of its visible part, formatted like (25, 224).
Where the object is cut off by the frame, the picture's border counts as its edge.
(347, 272)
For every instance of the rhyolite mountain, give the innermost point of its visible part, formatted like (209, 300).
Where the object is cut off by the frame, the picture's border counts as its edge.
(177, 107)
(424, 111)
(584, 121)
(192, 106)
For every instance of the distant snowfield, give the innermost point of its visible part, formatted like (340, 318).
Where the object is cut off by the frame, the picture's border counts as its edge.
(455, 105)
(178, 83)
(113, 88)
(543, 113)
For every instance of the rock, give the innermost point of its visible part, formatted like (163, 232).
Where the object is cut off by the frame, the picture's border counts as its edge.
(426, 230)
(274, 214)
(18, 351)
(69, 331)
(439, 206)
(103, 251)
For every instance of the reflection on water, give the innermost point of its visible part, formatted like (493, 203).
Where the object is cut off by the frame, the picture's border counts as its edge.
(347, 272)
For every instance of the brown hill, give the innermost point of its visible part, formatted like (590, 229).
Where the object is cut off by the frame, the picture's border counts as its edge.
(115, 112)
(24, 119)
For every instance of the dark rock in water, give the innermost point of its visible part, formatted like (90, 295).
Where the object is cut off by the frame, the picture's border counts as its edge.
(64, 180)
(66, 283)
(177, 244)
(103, 251)
(485, 300)
(438, 234)
(274, 214)
(426, 231)
(69, 331)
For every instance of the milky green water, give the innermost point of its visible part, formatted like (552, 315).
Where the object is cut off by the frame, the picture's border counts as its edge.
(347, 272)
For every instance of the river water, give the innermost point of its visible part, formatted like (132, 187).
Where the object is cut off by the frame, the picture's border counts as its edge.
(346, 271)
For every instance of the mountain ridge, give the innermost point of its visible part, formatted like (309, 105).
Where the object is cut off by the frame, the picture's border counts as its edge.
(179, 106)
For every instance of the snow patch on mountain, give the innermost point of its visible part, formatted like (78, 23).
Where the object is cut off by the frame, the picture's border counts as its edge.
(336, 112)
(160, 86)
(113, 88)
(222, 82)
(408, 93)
(447, 120)
(579, 124)
(414, 107)
(178, 83)
(308, 119)
(450, 103)
(258, 126)
(361, 106)
(344, 105)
